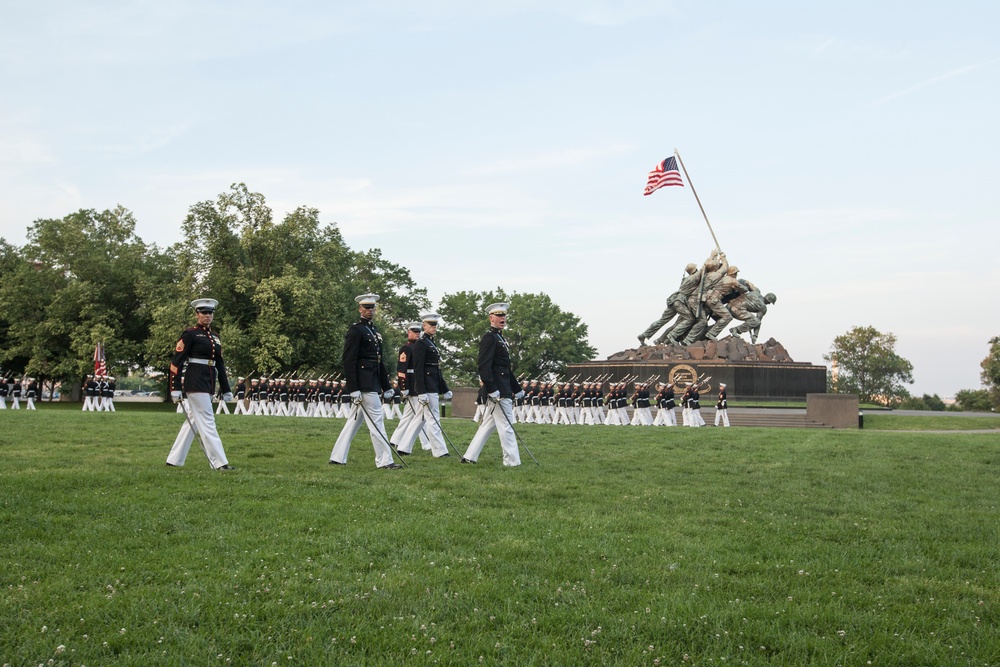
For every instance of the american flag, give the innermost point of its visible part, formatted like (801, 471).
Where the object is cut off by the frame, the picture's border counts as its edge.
(100, 366)
(663, 174)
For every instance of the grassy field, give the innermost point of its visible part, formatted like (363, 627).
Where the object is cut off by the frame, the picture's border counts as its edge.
(629, 546)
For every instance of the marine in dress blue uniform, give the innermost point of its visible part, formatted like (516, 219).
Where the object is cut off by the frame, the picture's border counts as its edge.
(501, 386)
(196, 366)
(366, 377)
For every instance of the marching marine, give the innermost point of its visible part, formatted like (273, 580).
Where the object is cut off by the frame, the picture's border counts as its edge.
(194, 369)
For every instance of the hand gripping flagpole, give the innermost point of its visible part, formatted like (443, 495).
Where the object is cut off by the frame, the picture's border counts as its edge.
(710, 230)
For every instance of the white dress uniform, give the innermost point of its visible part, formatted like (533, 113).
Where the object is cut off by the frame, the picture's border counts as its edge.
(722, 407)
(498, 378)
(429, 383)
(201, 349)
(365, 376)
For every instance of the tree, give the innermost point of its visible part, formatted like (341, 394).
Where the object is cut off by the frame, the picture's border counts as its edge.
(991, 371)
(973, 400)
(543, 337)
(867, 365)
(285, 290)
(925, 402)
(79, 280)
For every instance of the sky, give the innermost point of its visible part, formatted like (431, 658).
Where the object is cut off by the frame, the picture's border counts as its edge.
(845, 153)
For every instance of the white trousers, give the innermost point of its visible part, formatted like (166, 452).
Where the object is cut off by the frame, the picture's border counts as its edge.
(722, 414)
(223, 408)
(501, 423)
(642, 417)
(665, 417)
(199, 412)
(425, 417)
(368, 410)
(410, 409)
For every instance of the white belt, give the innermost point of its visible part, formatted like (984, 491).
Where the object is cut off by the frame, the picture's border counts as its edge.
(206, 362)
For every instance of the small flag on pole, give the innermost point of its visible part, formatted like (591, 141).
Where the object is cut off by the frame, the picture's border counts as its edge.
(100, 366)
(663, 174)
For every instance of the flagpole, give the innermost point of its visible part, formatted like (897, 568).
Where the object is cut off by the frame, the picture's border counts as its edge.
(710, 230)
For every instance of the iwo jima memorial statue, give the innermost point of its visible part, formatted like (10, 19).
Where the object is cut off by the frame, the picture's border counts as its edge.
(709, 299)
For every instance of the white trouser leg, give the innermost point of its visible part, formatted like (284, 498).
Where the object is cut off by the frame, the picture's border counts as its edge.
(368, 410)
(495, 420)
(425, 418)
(200, 413)
(410, 407)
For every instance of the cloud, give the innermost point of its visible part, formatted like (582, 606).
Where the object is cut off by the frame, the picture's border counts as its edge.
(824, 46)
(933, 81)
(567, 158)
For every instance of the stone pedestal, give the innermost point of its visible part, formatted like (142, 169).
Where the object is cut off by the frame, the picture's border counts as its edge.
(836, 410)
(762, 371)
(463, 402)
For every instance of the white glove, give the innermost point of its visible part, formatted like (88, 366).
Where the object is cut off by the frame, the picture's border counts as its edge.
(228, 397)
(447, 395)
(175, 396)
(389, 393)
(405, 392)
(424, 399)
(494, 395)
(519, 395)
(355, 395)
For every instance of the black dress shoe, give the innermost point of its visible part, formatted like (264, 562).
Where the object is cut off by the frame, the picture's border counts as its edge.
(465, 460)
(171, 465)
(443, 455)
(402, 453)
(337, 463)
(391, 466)
(226, 467)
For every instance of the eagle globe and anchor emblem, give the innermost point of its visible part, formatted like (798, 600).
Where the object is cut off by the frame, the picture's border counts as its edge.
(682, 375)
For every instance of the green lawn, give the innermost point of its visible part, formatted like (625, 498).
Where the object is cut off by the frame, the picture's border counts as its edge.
(628, 546)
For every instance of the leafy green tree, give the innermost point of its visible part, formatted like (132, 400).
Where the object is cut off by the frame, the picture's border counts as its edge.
(77, 281)
(991, 371)
(974, 400)
(543, 337)
(285, 290)
(925, 402)
(867, 365)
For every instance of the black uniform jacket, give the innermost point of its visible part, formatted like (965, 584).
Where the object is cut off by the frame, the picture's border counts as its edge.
(494, 365)
(364, 368)
(722, 404)
(427, 368)
(404, 366)
(198, 343)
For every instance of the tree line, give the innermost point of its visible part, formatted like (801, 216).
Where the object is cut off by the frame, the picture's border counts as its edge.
(864, 362)
(285, 289)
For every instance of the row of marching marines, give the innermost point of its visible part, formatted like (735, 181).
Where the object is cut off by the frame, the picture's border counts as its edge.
(293, 397)
(543, 402)
(16, 389)
(586, 403)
